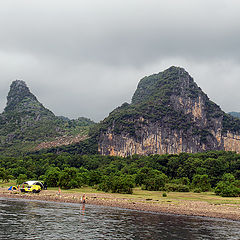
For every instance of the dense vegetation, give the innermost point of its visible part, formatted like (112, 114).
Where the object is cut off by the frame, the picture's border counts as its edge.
(17, 139)
(215, 170)
(85, 147)
(165, 84)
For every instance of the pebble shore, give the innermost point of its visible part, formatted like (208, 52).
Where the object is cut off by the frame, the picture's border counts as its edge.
(182, 207)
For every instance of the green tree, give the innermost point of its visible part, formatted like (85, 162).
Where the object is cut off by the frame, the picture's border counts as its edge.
(18, 170)
(201, 182)
(21, 178)
(52, 176)
(2, 173)
(5, 175)
(228, 187)
(68, 178)
(142, 175)
(117, 184)
(156, 182)
(95, 177)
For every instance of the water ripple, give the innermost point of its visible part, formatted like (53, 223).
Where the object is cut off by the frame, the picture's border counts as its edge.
(23, 219)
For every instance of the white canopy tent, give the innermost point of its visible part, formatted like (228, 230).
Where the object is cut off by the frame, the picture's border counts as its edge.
(30, 183)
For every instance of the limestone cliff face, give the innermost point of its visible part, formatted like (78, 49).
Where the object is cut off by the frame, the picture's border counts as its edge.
(169, 113)
(231, 142)
(155, 139)
(163, 142)
(160, 139)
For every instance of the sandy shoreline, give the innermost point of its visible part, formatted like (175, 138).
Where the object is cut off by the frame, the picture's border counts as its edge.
(182, 207)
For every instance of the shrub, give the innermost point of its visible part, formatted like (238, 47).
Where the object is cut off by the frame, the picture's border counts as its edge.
(197, 190)
(202, 182)
(105, 185)
(117, 184)
(230, 191)
(150, 179)
(68, 178)
(173, 187)
(228, 187)
(155, 183)
(52, 176)
(164, 195)
(183, 181)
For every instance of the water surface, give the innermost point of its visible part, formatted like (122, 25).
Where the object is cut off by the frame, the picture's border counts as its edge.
(24, 219)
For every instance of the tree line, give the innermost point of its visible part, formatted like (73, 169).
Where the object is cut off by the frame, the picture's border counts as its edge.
(217, 171)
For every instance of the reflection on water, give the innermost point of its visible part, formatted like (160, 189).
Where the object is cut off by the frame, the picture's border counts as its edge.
(22, 219)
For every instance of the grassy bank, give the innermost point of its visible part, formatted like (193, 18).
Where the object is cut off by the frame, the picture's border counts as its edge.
(194, 204)
(151, 196)
(173, 197)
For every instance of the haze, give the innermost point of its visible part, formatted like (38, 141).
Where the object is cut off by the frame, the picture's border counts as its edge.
(84, 58)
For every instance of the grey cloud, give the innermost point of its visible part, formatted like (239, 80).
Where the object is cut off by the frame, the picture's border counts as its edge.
(123, 33)
(85, 57)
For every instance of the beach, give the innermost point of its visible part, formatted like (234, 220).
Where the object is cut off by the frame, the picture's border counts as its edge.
(210, 206)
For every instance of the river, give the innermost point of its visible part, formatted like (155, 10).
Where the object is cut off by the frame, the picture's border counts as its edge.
(25, 219)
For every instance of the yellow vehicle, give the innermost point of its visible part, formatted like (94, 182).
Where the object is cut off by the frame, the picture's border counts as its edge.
(30, 188)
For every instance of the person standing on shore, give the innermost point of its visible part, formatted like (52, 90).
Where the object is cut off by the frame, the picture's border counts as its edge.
(83, 198)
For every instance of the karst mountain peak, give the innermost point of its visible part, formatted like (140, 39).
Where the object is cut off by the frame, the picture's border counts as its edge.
(20, 99)
(174, 80)
(26, 125)
(169, 113)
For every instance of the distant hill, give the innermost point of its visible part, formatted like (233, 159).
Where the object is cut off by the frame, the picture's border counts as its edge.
(169, 113)
(235, 114)
(26, 124)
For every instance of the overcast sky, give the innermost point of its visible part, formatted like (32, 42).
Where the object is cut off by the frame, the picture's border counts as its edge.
(86, 57)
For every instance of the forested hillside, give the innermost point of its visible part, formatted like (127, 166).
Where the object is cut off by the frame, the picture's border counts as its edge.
(26, 125)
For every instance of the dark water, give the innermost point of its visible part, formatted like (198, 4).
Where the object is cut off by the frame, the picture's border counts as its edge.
(22, 219)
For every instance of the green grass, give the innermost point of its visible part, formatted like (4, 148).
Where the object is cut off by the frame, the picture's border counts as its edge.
(173, 197)
(154, 196)
(77, 190)
(209, 197)
(7, 184)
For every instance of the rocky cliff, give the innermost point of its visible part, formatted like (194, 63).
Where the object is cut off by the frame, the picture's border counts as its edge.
(169, 113)
(25, 123)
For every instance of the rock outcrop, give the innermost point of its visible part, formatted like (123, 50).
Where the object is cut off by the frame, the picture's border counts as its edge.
(61, 141)
(20, 99)
(169, 113)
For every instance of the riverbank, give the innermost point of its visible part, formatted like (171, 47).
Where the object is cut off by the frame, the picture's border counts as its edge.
(192, 204)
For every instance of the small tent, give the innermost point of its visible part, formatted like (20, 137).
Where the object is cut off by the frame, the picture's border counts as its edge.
(13, 188)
